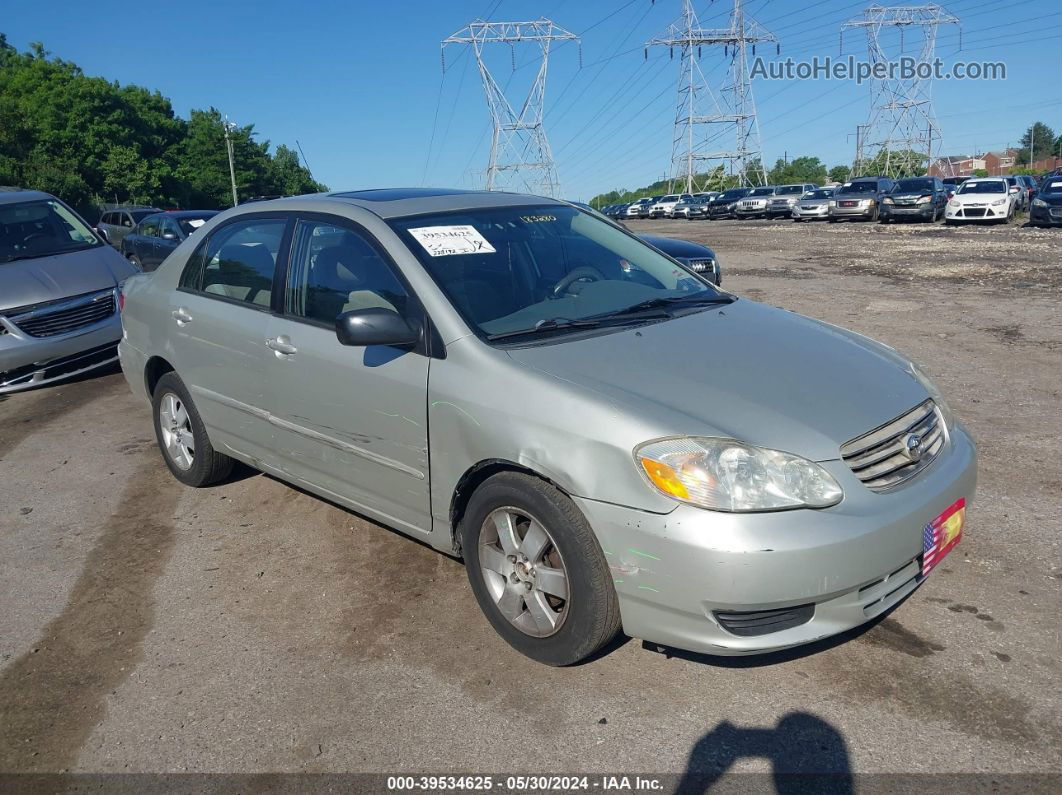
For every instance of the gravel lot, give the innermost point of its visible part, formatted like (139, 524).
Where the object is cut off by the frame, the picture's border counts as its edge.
(252, 627)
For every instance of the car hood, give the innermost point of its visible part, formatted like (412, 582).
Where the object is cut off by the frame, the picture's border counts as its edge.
(908, 196)
(746, 371)
(978, 198)
(678, 248)
(34, 281)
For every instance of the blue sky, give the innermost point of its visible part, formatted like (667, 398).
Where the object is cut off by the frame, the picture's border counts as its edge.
(358, 83)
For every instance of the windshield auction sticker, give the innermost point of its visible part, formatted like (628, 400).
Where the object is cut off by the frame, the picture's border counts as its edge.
(445, 241)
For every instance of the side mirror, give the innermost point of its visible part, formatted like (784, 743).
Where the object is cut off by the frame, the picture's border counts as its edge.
(102, 233)
(169, 236)
(375, 326)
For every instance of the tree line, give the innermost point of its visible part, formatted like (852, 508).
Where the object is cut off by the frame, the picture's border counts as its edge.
(92, 141)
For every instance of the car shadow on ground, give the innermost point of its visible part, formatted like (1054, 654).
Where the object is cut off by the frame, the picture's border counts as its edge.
(806, 753)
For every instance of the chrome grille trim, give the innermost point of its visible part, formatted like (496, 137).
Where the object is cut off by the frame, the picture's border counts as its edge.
(880, 458)
(65, 316)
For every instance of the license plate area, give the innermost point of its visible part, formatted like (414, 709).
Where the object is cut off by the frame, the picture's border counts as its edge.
(941, 535)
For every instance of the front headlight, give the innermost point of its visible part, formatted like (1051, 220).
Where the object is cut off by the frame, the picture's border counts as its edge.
(925, 200)
(934, 392)
(887, 200)
(832, 203)
(1039, 203)
(728, 475)
(998, 202)
(954, 203)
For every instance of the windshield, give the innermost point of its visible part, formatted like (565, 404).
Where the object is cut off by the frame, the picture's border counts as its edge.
(1052, 186)
(995, 186)
(189, 223)
(790, 190)
(818, 194)
(858, 187)
(913, 186)
(511, 269)
(762, 192)
(41, 228)
(730, 195)
(670, 199)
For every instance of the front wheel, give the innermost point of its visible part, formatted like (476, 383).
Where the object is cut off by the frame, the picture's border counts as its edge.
(537, 570)
(182, 437)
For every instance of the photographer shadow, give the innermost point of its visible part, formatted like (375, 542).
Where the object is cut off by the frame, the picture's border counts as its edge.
(806, 753)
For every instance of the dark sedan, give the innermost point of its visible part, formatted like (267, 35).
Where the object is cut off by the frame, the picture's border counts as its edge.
(159, 234)
(1046, 209)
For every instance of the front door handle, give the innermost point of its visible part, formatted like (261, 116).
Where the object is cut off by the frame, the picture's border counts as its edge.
(281, 345)
(181, 316)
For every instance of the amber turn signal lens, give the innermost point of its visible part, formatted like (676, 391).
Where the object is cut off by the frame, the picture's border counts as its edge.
(664, 478)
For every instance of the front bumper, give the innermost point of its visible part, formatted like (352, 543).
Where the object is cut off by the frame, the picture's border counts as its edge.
(841, 566)
(818, 211)
(983, 213)
(27, 361)
(750, 212)
(779, 210)
(925, 212)
(853, 212)
(1045, 215)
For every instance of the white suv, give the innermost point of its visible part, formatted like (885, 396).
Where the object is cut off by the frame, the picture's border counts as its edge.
(665, 205)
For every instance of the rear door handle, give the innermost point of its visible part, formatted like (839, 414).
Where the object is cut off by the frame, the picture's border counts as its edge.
(181, 316)
(281, 345)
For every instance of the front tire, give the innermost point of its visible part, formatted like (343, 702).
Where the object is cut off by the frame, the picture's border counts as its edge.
(182, 437)
(537, 570)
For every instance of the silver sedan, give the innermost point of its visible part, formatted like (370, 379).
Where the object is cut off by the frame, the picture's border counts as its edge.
(607, 439)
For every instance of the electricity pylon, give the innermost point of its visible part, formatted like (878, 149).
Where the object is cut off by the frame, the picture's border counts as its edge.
(518, 143)
(730, 109)
(901, 129)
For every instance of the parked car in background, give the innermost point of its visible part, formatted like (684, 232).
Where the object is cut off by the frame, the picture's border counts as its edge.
(813, 205)
(859, 199)
(754, 205)
(556, 402)
(694, 207)
(722, 206)
(665, 205)
(1046, 208)
(785, 197)
(983, 199)
(952, 183)
(914, 199)
(157, 235)
(1032, 188)
(115, 224)
(634, 209)
(645, 209)
(1017, 188)
(695, 256)
(58, 292)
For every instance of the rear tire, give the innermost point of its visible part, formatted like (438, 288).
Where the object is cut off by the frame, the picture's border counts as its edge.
(182, 437)
(515, 530)
(133, 258)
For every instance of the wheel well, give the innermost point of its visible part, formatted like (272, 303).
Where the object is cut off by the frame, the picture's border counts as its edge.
(472, 479)
(153, 371)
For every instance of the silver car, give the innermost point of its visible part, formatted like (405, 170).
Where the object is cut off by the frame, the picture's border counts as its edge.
(58, 292)
(813, 205)
(609, 441)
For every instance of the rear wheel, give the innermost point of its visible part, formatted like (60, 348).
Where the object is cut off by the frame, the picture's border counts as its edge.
(182, 437)
(133, 258)
(537, 570)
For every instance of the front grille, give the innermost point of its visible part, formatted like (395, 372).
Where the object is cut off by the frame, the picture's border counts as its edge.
(848, 204)
(898, 450)
(880, 595)
(701, 265)
(62, 317)
(974, 212)
(748, 624)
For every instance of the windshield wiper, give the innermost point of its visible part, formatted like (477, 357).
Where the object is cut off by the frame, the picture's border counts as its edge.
(543, 326)
(696, 299)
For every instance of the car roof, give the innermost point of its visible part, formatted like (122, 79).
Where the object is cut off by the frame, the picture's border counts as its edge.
(185, 213)
(400, 202)
(18, 195)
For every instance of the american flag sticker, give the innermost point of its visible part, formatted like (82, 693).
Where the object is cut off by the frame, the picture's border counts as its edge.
(942, 534)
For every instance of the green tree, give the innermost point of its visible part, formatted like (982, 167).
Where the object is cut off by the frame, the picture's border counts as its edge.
(799, 169)
(1042, 140)
(980, 172)
(895, 164)
(840, 173)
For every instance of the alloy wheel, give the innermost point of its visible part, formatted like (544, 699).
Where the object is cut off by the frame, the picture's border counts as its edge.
(176, 428)
(524, 572)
